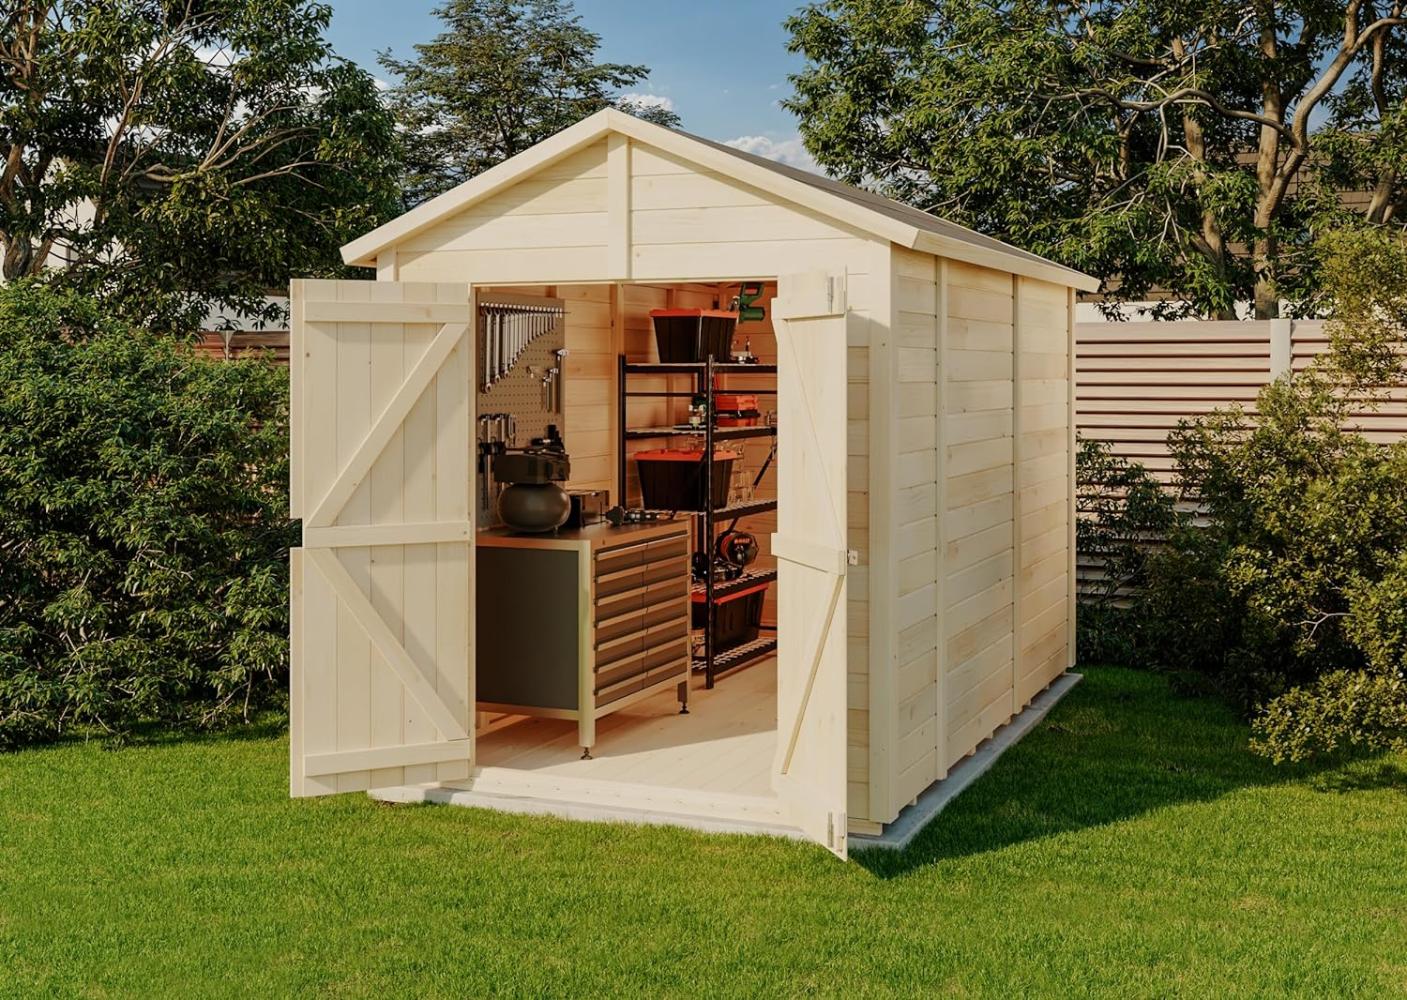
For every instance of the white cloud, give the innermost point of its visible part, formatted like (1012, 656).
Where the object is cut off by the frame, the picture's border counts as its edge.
(790, 150)
(648, 101)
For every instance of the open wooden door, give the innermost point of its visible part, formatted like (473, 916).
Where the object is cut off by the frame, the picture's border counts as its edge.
(382, 590)
(809, 317)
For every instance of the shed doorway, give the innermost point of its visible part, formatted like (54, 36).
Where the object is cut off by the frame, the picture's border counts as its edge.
(626, 407)
(390, 687)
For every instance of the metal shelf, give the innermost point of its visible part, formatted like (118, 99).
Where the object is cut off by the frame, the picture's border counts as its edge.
(726, 587)
(726, 513)
(719, 433)
(691, 367)
(747, 509)
(739, 656)
(701, 375)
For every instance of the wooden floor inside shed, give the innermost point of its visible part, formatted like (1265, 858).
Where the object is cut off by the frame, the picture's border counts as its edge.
(725, 744)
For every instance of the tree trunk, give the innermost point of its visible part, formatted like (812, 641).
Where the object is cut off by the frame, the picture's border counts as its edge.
(1267, 300)
(19, 258)
(1213, 243)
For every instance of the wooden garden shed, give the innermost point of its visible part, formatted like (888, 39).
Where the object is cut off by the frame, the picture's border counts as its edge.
(915, 517)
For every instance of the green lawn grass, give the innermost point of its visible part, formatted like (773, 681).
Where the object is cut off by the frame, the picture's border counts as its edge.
(1130, 846)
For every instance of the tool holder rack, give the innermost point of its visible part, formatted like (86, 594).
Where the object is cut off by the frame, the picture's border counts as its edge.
(508, 327)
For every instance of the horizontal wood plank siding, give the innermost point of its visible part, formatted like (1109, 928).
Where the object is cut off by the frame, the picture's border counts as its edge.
(980, 508)
(915, 476)
(1043, 484)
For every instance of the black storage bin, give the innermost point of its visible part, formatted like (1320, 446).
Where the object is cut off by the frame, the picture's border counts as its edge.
(674, 480)
(736, 617)
(691, 335)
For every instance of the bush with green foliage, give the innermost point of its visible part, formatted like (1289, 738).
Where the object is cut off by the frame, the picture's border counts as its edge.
(1290, 593)
(143, 526)
(1124, 514)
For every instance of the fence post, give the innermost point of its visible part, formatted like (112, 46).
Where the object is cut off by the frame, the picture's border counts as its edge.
(1281, 337)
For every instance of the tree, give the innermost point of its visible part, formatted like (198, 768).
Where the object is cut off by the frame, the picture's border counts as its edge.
(504, 75)
(173, 156)
(1194, 148)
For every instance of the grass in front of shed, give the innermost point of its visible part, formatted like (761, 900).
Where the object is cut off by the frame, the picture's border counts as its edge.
(1130, 846)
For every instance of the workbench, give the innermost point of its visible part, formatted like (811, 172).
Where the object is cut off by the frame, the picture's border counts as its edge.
(584, 622)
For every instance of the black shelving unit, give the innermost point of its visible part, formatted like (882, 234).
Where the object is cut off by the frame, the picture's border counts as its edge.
(712, 664)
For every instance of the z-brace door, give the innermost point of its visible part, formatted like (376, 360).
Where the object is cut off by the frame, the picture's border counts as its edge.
(381, 628)
(809, 316)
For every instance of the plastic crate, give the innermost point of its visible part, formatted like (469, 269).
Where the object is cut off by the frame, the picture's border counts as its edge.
(673, 479)
(693, 335)
(737, 617)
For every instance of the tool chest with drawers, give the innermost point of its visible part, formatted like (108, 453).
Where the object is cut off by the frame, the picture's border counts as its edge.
(583, 623)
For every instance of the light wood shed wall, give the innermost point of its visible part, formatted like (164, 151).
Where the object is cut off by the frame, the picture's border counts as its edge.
(1007, 545)
(958, 455)
(1045, 488)
(978, 455)
(620, 211)
(979, 506)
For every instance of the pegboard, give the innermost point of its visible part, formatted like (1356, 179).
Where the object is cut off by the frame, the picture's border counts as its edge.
(519, 392)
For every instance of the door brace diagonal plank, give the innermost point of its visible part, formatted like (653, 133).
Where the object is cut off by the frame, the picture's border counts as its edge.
(386, 644)
(385, 426)
(816, 658)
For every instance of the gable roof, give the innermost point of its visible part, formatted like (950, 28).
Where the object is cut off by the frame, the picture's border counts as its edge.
(870, 213)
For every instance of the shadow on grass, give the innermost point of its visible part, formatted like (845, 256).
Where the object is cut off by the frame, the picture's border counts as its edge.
(268, 725)
(1121, 745)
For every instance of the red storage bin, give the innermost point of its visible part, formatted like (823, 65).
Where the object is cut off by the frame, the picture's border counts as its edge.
(735, 400)
(673, 479)
(737, 617)
(691, 335)
(736, 409)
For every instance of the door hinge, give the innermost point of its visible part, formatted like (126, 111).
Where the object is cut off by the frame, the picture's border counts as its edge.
(852, 557)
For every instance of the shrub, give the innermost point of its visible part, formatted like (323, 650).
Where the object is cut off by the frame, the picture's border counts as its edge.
(143, 526)
(1123, 516)
(1290, 594)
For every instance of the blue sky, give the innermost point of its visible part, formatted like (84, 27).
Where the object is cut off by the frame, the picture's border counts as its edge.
(723, 65)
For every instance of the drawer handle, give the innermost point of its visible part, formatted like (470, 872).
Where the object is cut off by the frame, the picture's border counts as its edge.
(619, 574)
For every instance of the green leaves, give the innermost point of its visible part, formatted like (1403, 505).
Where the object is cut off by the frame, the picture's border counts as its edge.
(185, 159)
(504, 75)
(143, 525)
(1121, 139)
